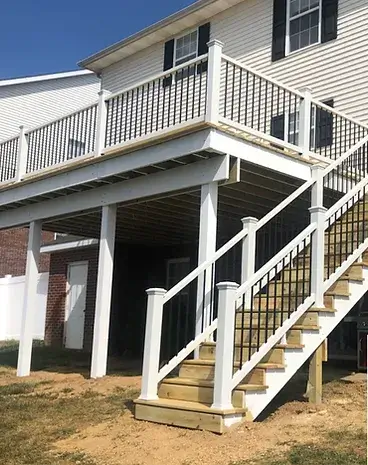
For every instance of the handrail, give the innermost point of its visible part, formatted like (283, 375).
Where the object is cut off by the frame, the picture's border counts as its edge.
(349, 195)
(197, 271)
(87, 107)
(262, 76)
(275, 260)
(338, 113)
(158, 76)
(233, 241)
(346, 155)
(9, 140)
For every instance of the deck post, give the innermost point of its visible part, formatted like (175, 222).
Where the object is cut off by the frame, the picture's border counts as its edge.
(21, 167)
(101, 122)
(315, 378)
(248, 264)
(29, 299)
(213, 80)
(152, 344)
(103, 292)
(318, 216)
(305, 112)
(224, 362)
(206, 250)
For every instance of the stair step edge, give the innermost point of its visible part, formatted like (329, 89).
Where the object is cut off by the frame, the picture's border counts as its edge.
(209, 384)
(189, 406)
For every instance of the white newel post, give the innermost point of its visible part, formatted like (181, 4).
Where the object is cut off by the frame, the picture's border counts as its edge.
(318, 216)
(29, 299)
(101, 122)
(206, 250)
(213, 80)
(21, 168)
(103, 292)
(222, 394)
(4, 305)
(305, 121)
(152, 343)
(248, 264)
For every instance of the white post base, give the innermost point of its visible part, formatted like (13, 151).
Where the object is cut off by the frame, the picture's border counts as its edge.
(103, 294)
(30, 299)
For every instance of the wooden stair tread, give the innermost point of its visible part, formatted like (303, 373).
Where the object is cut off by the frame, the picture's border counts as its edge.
(278, 311)
(253, 345)
(189, 406)
(204, 362)
(263, 327)
(210, 383)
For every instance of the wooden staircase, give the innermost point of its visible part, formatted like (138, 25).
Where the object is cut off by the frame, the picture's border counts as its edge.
(186, 400)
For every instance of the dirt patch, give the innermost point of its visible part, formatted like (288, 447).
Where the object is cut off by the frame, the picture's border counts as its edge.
(125, 441)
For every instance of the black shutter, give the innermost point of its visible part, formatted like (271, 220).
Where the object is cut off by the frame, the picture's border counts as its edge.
(324, 126)
(278, 126)
(204, 33)
(279, 30)
(329, 20)
(168, 60)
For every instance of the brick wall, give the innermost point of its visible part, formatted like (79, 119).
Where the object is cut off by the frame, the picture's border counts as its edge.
(13, 251)
(55, 312)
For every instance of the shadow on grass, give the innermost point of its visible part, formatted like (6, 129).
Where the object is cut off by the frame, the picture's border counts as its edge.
(295, 389)
(65, 361)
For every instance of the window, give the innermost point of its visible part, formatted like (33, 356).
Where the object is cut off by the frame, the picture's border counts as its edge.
(286, 127)
(186, 48)
(76, 148)
(303, 24)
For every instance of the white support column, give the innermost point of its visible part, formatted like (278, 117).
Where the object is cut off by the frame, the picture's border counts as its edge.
(222, 393)
(21, 168)
(30, 299)
(206, 250)
(248, 265)
(213, 80)
(103, 293)
(101, 122)
(4, 307)
(152, 344)
(318, 216)
(305, 121)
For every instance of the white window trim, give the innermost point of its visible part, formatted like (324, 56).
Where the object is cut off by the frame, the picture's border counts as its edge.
(286, 128)
(176, 42)
(288, 20)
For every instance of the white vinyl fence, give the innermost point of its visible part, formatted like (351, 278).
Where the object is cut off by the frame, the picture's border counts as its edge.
(11, 306)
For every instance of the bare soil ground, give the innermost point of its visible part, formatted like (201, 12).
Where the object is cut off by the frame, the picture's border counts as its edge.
(91, 422)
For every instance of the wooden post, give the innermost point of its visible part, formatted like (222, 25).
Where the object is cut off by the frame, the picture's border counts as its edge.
(29, 299)
(213, 79)
(152, 343)
(224, 362)
(314, 386)
(103, 292)
(206, 249)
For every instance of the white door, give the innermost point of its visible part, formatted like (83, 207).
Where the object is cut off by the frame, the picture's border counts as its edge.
(75, 305)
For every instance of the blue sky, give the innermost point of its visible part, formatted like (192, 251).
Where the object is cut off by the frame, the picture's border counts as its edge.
(45, 36)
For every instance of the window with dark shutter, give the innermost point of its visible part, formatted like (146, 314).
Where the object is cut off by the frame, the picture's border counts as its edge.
(278, 126)
(279, 29)
(204, 33)
(168, 60)
(324, 126)
(329, 20)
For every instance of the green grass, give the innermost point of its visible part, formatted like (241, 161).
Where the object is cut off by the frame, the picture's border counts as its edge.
(338, 447)
(33, 419)
(31, 422)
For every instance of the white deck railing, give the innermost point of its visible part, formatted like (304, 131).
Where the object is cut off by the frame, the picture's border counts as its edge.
(213, 88)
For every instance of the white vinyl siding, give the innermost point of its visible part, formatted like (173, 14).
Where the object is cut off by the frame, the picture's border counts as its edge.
(35, 103)
(336, 69)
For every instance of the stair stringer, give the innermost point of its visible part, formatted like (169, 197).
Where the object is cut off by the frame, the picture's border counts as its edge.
(276, 379)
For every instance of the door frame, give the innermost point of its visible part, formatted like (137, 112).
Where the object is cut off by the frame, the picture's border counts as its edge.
(67, 300)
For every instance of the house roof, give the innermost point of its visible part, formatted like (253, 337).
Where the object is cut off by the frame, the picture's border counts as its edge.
(168, 27)
(43, 77)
